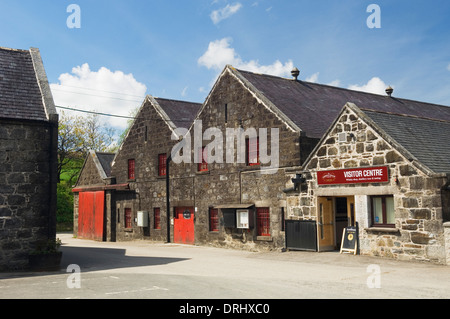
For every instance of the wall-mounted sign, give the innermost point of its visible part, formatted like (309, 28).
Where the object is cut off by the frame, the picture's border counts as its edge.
(353, 176)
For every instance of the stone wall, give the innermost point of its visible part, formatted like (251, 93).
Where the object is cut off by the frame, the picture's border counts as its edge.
(418, 232)
(147, 190)
(27, 189)
(223, 183)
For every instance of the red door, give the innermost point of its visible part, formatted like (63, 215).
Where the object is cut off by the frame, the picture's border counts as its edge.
(91, 215)
(183, 226)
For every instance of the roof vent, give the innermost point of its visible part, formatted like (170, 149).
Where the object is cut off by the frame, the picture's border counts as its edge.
(389, 91)
(295, 73)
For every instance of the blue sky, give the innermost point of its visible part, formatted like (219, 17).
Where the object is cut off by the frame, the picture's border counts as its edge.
(176, 48)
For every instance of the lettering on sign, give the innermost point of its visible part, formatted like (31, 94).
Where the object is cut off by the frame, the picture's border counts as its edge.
(353, 176)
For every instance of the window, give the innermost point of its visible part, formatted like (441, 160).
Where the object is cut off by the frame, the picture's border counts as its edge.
(383, 213)
(128, 218)
(253, 152)
(263, 221)
(162, 158)
(157, 218)
(203, 166)
(213, 219)
(131, 169)
(226, 113)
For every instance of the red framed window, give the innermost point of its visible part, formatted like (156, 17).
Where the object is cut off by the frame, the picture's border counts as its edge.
(263, 221)
(203, 166)
(128, 218)
(213, 219)
(157, 218)
(131, 169)
(162, 158)
(253, 152)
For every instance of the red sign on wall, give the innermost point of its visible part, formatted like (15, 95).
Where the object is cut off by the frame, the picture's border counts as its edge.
(353, 176)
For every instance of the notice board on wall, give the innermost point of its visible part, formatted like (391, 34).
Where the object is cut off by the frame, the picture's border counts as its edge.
(350, 240)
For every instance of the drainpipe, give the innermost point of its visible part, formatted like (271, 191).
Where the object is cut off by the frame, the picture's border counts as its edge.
(168, 160)
(175, 150)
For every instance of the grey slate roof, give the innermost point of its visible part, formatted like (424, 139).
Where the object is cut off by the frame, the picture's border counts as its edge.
(20, 95)
(427, 140)
(181, 113)
(106, 160)
(313, 107)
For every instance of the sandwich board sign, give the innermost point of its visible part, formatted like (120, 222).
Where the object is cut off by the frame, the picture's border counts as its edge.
(349, 241)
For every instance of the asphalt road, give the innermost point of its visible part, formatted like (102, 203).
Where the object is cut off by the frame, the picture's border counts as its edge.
(142, 270)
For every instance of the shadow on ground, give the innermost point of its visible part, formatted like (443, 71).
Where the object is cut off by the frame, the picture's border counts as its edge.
(94, 259)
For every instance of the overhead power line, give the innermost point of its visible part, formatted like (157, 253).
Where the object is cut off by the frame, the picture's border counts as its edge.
(96, 113)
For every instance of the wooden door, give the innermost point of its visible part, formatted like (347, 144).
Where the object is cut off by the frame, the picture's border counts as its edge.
(91, 211)
(325, 224)
(183, 227)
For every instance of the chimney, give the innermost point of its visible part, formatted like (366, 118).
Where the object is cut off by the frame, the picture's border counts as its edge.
(295, 73)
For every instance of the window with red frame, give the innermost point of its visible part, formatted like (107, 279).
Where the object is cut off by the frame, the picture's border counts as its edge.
(157, 218)
(253, 152)
(213, 219)
(162, 158)
(131, 169)
(128, 218)
(263, 221)
(203, 166)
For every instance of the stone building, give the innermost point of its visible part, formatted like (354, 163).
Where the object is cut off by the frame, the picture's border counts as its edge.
(28, 157)
(247, 199)
(387, 173)
(90, 219)
(140, 167)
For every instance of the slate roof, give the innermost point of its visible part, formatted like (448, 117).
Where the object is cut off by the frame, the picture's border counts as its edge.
(181, 113)
(20, 95)
(427, 140)
(106, 160)
(313, 107)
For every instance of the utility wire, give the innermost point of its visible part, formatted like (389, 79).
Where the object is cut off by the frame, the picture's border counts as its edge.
(96, 113)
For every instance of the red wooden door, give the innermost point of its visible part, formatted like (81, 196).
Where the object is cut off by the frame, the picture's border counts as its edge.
(91, 215)
(183, 227)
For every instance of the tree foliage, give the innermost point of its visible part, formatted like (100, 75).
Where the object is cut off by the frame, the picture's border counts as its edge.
(77, 136)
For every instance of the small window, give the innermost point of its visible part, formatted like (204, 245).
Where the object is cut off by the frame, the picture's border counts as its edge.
(253, 152)
(203, 166)
(131, 169)
(128, 218)
(157, 218)
(213, 219)
(162, 158)
(226, 113)
(263, 221)
(383, 212)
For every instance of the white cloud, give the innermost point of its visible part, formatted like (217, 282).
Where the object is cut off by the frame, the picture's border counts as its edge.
(448, 67)
(101, 91)
(375, 85)
(313, 78)
(219, 54)
(334, 83)
(225, 13)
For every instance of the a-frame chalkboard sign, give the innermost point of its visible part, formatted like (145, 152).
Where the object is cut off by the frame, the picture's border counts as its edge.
(350, 240)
